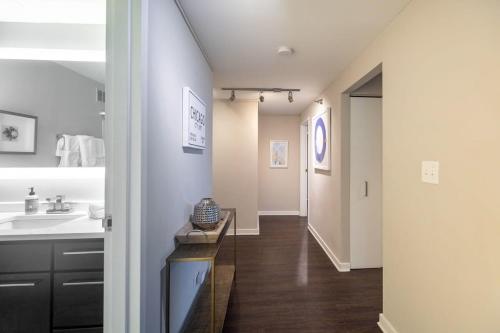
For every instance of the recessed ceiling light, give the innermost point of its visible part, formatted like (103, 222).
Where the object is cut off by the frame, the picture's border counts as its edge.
(285, 51)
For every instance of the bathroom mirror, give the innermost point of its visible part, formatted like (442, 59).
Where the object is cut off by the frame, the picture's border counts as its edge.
(57, 107)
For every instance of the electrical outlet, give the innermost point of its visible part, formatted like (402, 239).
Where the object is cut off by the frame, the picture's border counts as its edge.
(430, 172)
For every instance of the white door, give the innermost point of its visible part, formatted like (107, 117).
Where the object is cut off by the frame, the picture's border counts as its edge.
(366, 183)
(304, 145)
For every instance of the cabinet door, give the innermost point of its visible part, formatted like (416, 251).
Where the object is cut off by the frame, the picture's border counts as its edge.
(25, 303)
(81, 255)
(78, 299)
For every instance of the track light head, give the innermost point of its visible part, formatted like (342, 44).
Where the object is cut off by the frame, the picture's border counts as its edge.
(319, 101)
(261, 97)
(290, 96)
(233, 96)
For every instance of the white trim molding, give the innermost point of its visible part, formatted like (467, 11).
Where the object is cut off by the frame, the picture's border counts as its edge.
(385, 325)
(341, 266)
(278, 212)
(243, 232)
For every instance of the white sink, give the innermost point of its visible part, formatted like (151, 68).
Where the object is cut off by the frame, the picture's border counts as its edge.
(36, 221)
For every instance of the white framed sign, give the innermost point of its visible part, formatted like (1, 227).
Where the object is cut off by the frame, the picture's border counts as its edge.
(194, 120)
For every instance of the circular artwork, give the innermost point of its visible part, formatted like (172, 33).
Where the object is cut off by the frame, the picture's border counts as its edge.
(320, 140)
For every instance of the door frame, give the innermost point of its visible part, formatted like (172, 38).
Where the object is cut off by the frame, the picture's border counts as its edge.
(304, 168)
(124, 89)
(346, 150)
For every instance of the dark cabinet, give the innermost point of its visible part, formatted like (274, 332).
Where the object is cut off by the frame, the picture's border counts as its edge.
(80, 330)
(52, 286)
(25, 303)
(83, 255)
(78, 299)
(25, 257)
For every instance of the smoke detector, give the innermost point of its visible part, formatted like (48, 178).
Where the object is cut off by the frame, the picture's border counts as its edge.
(285, 51)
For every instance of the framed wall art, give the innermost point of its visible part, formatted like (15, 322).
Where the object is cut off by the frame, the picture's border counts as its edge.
(194, 120)
(278, 154)
(321, 140)
(17, 133)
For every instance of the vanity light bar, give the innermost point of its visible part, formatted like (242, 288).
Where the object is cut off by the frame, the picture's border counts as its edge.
(15, 53)
(51, 173)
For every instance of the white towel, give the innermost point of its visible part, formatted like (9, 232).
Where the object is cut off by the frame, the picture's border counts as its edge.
(92, 151)
(68, 149)
(96, 211)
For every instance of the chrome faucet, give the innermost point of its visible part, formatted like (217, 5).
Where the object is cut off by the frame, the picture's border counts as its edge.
(59, 206)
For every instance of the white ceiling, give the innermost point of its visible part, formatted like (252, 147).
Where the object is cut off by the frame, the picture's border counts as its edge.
(241, 40)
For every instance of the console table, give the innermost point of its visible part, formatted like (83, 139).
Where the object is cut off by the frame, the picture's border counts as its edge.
(208, 310)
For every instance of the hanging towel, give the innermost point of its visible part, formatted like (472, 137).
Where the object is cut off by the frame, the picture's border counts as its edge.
(92, 151)
(68, 149)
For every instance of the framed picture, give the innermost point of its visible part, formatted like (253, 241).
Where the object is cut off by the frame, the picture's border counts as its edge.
(194, 120)
(17, 133)
(279, 154)
(321, 140)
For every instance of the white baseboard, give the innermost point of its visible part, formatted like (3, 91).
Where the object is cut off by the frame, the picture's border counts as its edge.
(341, 266)
(385, 325)
(244, 232)
(279, 212)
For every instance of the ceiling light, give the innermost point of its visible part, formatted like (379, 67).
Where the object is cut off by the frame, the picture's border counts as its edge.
(261, 97)
(285, 51)
(233, 96)
(290, 97)
(319, 101)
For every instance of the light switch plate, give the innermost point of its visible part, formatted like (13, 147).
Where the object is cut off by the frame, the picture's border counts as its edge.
(430, 172)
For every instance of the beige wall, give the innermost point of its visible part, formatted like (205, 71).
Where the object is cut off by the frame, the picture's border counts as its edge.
(235, 155)
(279, 188)
(441, 102)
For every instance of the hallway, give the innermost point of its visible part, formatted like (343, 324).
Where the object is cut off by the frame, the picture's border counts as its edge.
(286, 283)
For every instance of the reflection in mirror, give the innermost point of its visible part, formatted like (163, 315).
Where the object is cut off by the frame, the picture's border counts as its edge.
(52, 114)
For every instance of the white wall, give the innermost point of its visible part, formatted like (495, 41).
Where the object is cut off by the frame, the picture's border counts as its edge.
(279, 189)
(235, 160)
(441, 242)
(177, 178)
(63, 101)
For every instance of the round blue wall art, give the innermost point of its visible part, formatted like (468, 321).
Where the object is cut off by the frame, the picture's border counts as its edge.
(320, 140)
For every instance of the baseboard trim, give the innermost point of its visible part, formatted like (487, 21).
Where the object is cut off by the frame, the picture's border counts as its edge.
(341, 266)
(278, 212)
(385, 325)
(243, 232)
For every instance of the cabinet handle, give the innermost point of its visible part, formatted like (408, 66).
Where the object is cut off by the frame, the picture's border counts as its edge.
(83, 283)
(13, 285)
(70, 253)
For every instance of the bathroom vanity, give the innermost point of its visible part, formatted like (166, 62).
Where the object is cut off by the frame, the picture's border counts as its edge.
(51, 273)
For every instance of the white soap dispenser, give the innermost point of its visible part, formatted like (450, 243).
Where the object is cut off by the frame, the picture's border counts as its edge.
(31, 202)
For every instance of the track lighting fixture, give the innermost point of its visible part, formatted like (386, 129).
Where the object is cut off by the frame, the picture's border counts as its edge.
(261, 92)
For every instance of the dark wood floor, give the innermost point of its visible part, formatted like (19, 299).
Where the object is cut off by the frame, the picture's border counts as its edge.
(286, 283)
